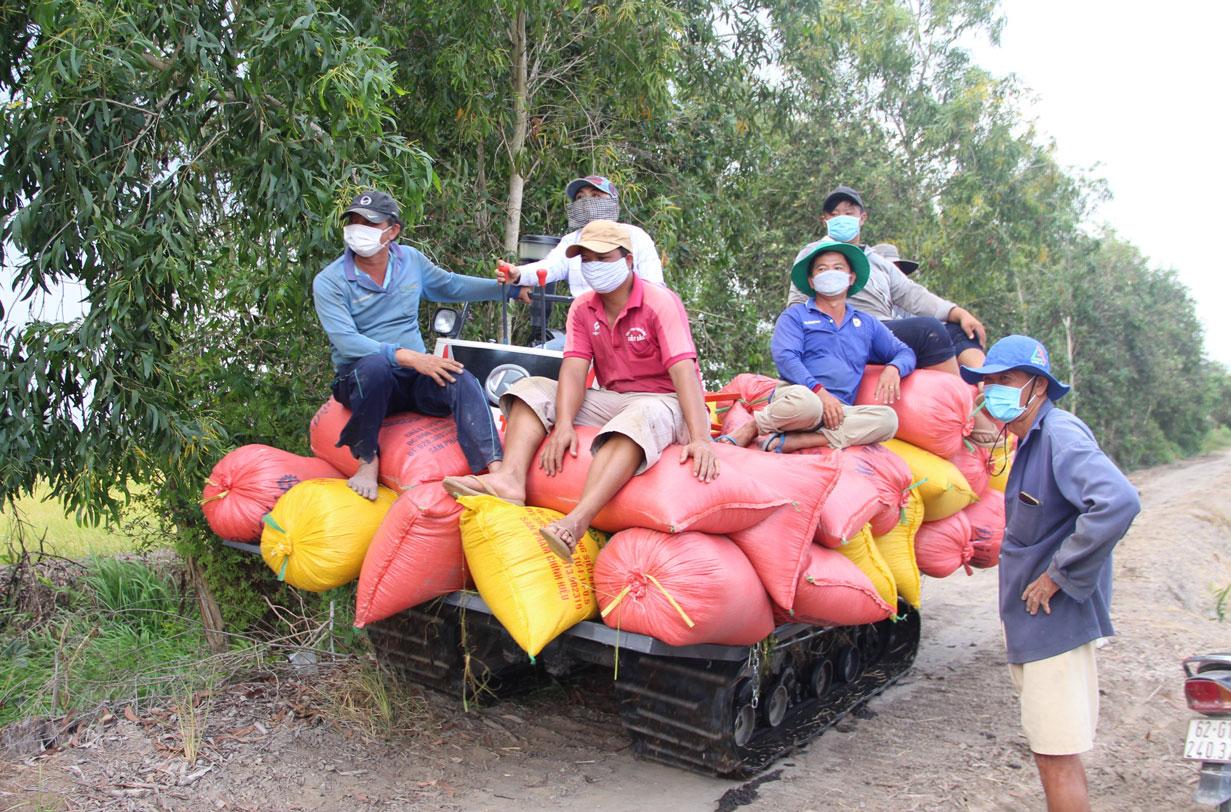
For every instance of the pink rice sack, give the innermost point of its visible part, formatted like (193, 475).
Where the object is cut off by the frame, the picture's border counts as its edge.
(973, 463)
(935, 411)
(834, 592)
(683, 589)
(943, 546)
(246, 483)
(415, 556)
(778, 546)
(414, 447)
(891, 475)
(986, 519)
(667, 497)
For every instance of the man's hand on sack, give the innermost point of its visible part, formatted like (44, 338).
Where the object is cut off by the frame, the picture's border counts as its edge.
(562, 438)
(439, 369)
(889, 386)
(704, 460)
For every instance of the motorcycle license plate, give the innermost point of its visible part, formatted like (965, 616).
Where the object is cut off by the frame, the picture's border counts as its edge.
(1209, 740)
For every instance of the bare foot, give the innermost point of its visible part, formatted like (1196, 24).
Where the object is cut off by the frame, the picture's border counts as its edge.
(364, 480)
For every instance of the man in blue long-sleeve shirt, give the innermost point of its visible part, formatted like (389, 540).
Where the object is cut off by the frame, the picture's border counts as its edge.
(367, 301)
(1066, 507)
(821, 347)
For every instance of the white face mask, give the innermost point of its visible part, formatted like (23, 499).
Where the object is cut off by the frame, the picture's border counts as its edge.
(364, 240)
(831, 283)
(605, 276)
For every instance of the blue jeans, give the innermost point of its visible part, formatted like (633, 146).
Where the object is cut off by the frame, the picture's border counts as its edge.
(372, 389)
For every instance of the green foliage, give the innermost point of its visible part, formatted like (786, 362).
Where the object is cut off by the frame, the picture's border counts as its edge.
(120, 635)
(1217, 440)
(186, 163)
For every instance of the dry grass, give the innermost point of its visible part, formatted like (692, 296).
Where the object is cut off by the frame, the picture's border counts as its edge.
(191, 717)
(362, 696)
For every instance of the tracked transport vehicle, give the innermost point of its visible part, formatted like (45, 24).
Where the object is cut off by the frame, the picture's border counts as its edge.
(723, 710)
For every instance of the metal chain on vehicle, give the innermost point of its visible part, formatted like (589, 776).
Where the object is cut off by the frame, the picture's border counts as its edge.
(754, 663)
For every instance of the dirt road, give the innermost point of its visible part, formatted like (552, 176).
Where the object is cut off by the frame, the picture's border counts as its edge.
(946, 737)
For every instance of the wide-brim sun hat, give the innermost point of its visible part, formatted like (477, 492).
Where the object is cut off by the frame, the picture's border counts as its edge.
(801, 270)
(1017, 352)
(890, 252)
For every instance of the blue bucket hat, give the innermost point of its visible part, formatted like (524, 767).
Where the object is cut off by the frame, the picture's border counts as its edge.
(1017, 352)
(597, 181)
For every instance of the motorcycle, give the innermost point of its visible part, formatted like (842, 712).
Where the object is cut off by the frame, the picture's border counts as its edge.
(1207, 688)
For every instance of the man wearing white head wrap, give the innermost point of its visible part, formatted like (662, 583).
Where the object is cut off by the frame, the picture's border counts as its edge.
(591, 198)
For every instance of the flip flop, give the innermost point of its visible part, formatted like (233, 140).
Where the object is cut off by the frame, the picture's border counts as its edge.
(456, 486)
(779, 437)
(726, 438)
(555, 540)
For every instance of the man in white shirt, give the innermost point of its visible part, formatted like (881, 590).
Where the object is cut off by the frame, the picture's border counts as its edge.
(593, 197)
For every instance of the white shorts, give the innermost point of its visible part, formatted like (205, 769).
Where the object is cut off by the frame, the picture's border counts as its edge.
(1059, 698)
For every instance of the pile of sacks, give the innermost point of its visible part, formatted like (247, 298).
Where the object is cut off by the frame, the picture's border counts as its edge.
(822, 537)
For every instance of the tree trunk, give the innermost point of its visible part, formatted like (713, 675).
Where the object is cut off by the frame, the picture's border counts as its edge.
(483, 215)
(1068, 346)
(516, 144)
(211, 615)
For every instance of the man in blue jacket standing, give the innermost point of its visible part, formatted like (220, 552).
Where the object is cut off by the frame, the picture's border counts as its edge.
(367, 301)
(1066, 507)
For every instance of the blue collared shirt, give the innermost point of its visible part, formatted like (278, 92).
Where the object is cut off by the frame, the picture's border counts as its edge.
(809, 348)
(1066, 506)
(363, 318)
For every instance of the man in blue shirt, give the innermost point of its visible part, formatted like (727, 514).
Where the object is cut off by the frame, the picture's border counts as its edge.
(821, 346)
(367, 301)
(1066, 506)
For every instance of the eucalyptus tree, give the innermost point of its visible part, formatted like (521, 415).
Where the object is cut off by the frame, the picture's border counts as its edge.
(185, 163)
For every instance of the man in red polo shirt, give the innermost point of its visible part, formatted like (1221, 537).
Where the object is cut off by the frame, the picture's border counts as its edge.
(638, 338)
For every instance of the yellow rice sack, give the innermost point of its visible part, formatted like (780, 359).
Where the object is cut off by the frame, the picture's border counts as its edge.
(941, 485)
(316, 536)
(863, 553)
(531, 591)
(999, 464)
(897, 547)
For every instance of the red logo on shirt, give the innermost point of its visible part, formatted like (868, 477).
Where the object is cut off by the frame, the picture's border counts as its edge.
(635, 334)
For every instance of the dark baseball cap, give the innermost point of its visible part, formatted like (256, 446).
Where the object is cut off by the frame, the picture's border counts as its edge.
(374, 206)
(840, 194)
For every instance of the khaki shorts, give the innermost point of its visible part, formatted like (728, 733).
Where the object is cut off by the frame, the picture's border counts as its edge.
(1059, 701)
(797, 408)
(651, 420)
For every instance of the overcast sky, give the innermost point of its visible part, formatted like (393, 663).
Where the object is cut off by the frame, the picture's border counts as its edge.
(1141, 89)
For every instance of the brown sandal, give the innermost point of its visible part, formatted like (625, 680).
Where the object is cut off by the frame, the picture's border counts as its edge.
(556, 538)
(456, 486)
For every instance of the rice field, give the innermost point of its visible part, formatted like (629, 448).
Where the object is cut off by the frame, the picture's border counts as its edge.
(47, 519)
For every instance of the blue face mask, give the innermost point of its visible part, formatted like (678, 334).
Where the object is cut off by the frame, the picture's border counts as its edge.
(1004, 402)
(843, 228)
